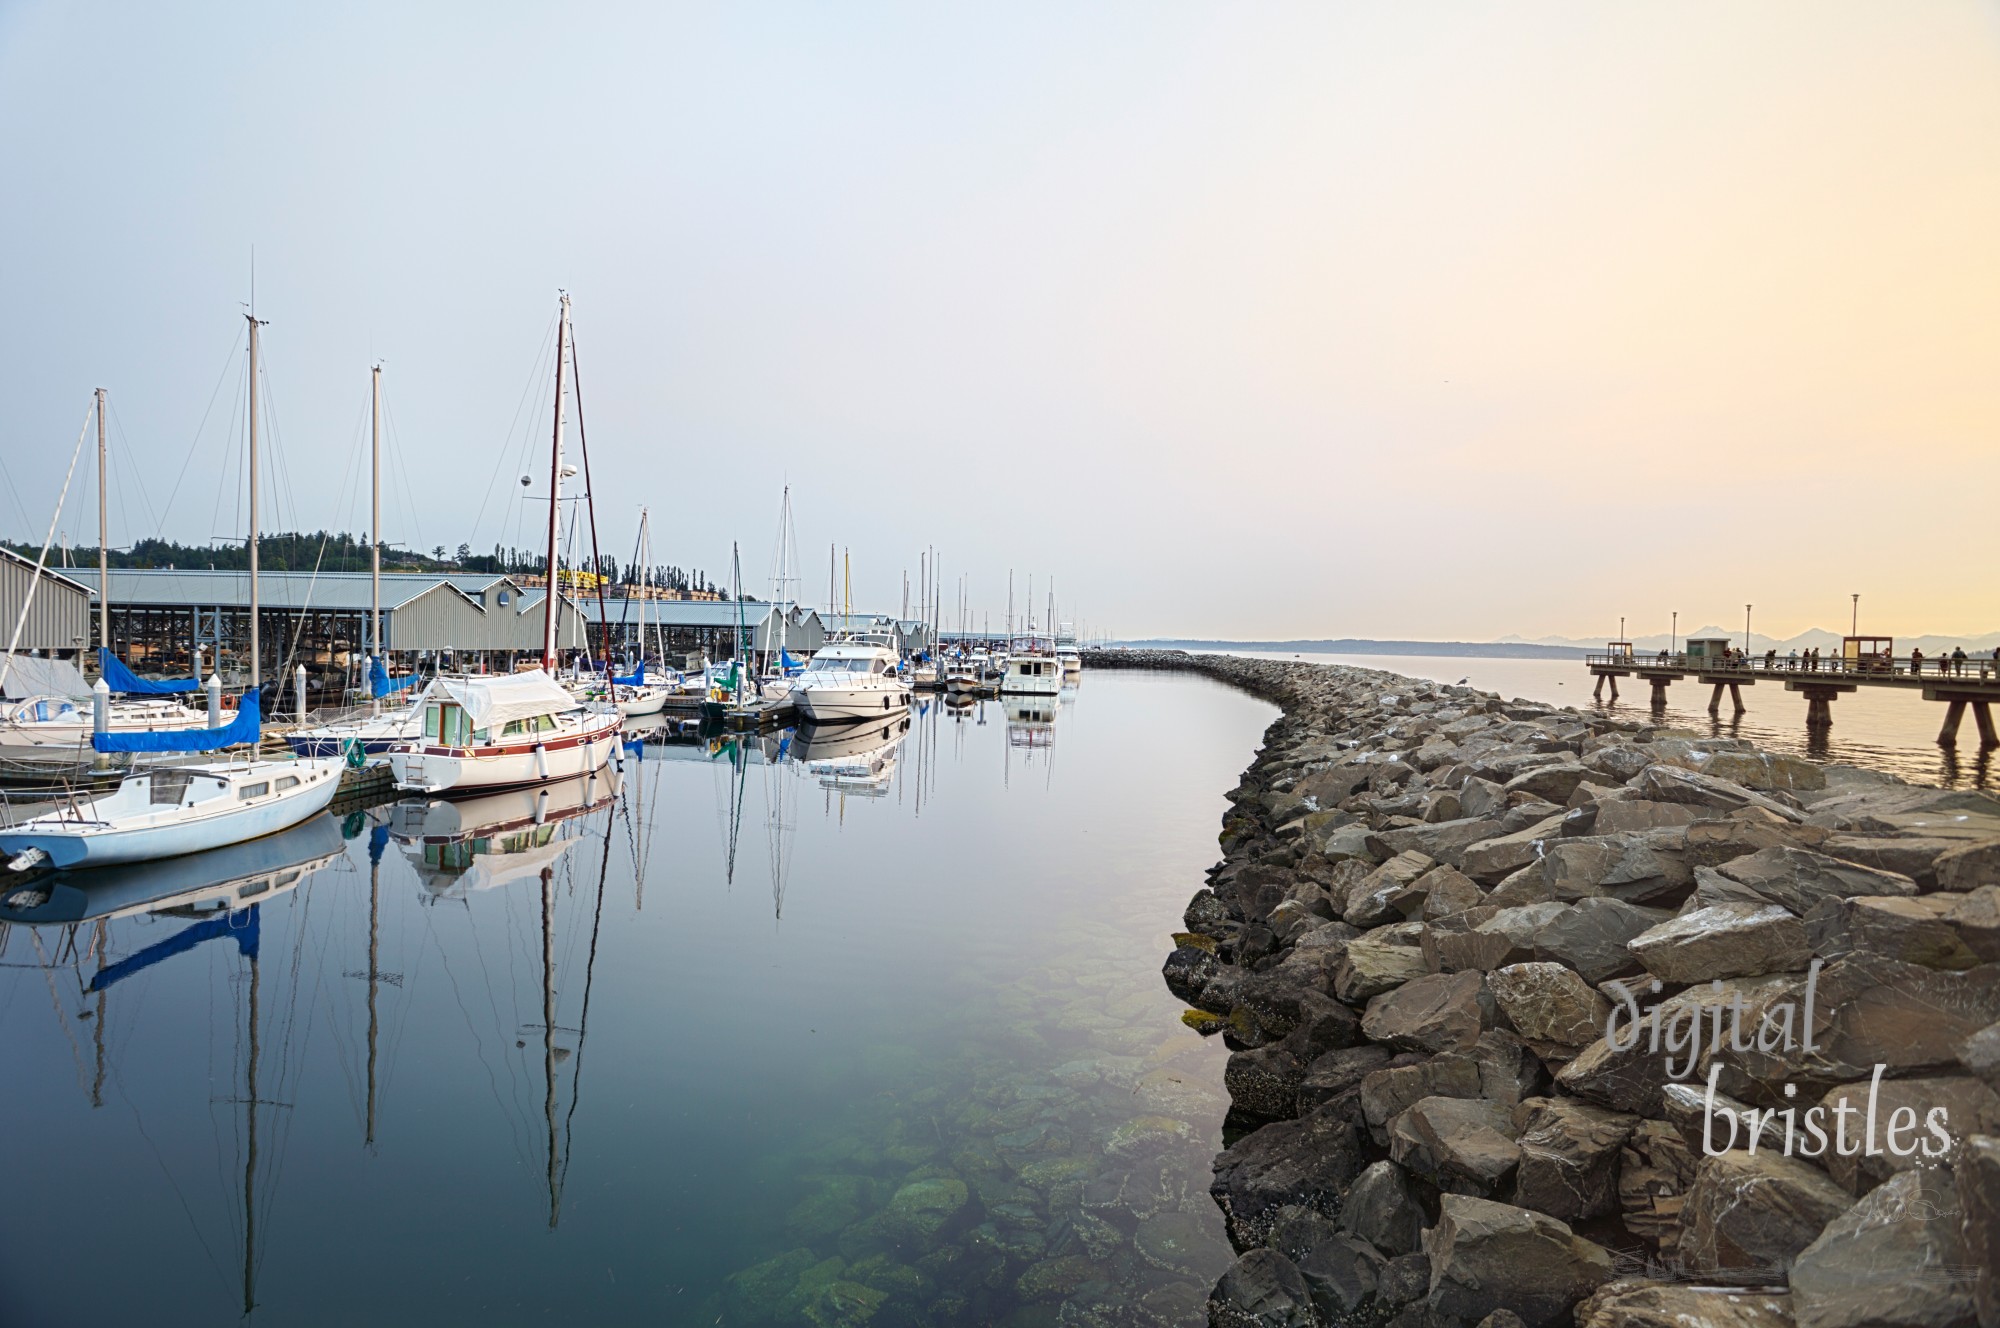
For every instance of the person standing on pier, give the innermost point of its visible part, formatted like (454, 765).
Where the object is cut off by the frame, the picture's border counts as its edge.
(1916, 662)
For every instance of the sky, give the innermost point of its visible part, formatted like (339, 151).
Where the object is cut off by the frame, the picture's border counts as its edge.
(1273, 321)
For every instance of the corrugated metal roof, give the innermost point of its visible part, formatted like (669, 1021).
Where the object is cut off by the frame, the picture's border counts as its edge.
(67, 575)
(328, 591)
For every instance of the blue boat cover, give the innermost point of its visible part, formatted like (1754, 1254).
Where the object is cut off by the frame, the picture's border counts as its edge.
(187, 938)
(121, 679)
(379, 684)
(787, 665)
(637, 679)
(245, 728)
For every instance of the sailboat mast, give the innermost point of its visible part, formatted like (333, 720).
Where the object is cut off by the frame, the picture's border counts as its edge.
(551, 606)
(549, 1024)
(250, 1158)
(256, 644)
(103, 535)
(375, 515)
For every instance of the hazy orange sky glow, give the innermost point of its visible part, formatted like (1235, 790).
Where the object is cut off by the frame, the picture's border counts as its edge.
(1274, 321)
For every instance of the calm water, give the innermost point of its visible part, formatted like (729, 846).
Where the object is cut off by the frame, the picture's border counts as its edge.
(1878, 728)
(722, 1043)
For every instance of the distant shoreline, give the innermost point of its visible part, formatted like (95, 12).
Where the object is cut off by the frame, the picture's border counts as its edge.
(1461, 649)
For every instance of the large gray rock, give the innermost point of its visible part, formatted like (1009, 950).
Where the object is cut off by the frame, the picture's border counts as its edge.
(1755, 1211)
(1795, 877)
(1873, 1011)
(1569, 1157)
(1896, 1259)
(1665, 783)
(1947, 930)
(1341, 1271)
(1446, 841)
(1376, 963)
(1553, 1009)
(1550, 783)
(1380, 1210)
(1634, 867)
(1970, 866)
(1488, 1256)
(1436, 1012)
(1591, 936)
(1764, 771)
(1492, 860)
(1371, 902)
(1902, 1136)
(1263, 1289)
(1463, 1145)
(1264, 1081)
(1628, 1080)
(1638, 1303)
(1387, 1092)
(1978, 1176)
(1629, 815)
(1339, 1073)
(1724, 941)
(1308, 1161)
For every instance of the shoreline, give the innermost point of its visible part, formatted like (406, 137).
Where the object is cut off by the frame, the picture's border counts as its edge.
(1429, 905)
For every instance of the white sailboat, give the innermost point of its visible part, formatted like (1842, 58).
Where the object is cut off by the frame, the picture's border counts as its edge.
(482, 733)
(187, 809)
(638, 697)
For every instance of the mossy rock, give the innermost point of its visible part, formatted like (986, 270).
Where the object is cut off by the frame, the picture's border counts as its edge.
(1204, 1022)
(843, 1304)
(1195, 939)
(836, 1202)
(1143, 1135)
(764, 1289)
(923, 1208)
(1053, 1278)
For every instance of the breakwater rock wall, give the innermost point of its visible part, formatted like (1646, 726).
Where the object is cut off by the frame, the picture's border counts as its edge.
(1542, 1016)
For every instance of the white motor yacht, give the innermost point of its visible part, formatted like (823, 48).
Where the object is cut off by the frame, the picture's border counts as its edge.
(1032, 669)
(502, 731)
(854, 677)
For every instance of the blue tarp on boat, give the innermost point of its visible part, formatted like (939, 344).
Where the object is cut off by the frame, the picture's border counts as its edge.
(787, 665)
(636, 679)
(121, 679)
(380, 684)
(245, 728)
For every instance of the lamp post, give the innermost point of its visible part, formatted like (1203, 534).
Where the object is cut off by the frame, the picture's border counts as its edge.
(1674, 635)
(1746, 634)
(1854, 627)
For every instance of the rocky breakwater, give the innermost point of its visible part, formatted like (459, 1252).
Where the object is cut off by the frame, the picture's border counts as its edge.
(1548, 1017)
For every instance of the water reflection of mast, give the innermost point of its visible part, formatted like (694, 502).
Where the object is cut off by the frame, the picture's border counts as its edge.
(378, 840)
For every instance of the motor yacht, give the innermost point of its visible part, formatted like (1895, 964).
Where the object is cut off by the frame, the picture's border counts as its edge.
(482, 733)
(854, 677)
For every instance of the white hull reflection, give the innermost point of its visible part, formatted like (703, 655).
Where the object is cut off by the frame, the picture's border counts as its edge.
(464, 846)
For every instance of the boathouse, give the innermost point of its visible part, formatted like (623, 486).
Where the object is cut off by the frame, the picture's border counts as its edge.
(59, 620)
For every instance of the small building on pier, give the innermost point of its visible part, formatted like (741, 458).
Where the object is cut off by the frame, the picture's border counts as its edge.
(701, 627)
(59, 621)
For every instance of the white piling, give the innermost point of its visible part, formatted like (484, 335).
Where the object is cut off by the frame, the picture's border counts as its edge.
(299, 690)
(214, 689)
(100, 707)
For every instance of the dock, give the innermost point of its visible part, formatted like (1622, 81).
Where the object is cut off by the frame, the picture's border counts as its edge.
(1965, 685)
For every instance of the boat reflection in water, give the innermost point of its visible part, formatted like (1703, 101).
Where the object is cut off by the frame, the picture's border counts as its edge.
(1031, 720)
(852, 759)
(221, 892)
(466, 845)
(195, 885)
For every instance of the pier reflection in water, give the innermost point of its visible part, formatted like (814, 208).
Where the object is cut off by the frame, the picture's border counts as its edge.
(561, 1055)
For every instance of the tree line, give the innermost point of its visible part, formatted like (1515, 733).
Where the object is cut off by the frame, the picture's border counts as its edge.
(302, 551)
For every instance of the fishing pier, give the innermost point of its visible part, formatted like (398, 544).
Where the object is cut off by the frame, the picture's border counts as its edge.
(1961, 685)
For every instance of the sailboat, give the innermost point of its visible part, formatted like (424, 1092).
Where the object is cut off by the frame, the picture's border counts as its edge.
(482, 733)
(186, 809)
(47, 722)
(360, 740)
(640, 697)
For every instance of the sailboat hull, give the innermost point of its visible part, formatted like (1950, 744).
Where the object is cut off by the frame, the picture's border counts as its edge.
(448, 771)
(121, 828)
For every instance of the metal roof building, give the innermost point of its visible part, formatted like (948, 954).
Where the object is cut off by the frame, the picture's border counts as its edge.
(59, 620)
(321, 620)
(706, 626)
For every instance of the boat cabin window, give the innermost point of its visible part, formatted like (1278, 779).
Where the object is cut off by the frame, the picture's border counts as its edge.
(448, 723)
(288, 781)
(249, 791)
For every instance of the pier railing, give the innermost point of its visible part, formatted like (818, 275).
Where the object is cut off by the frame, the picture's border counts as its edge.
(1873, 668)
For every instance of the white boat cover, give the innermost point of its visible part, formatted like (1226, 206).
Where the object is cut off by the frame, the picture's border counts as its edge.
(496, 700)
(30, 676)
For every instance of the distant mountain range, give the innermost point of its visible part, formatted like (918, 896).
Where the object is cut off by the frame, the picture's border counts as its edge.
(1566, 647)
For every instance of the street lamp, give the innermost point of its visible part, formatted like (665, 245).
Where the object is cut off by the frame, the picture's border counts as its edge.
(1674, 635)
(1746, 633)
(1854, 628)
